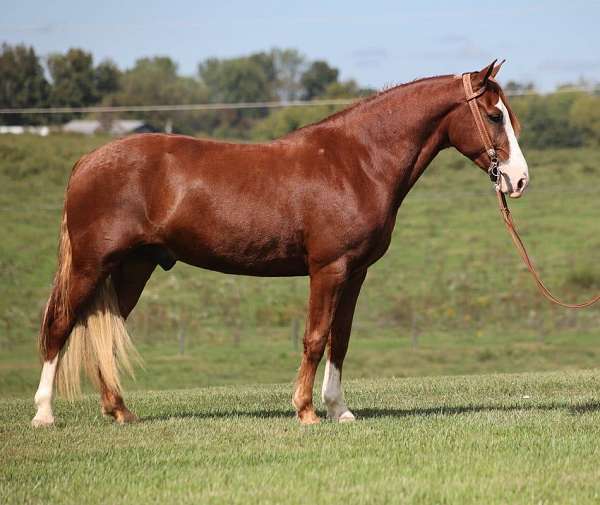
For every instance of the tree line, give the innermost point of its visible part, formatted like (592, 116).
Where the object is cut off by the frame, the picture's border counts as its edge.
(73, 79)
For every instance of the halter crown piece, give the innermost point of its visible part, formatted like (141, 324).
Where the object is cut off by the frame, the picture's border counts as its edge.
(470, 95)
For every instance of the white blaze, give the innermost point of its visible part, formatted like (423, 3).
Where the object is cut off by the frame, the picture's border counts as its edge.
(515, 167)
(333, 396)
(43, 396)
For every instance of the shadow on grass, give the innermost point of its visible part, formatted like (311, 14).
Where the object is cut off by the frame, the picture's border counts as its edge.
(375, 413)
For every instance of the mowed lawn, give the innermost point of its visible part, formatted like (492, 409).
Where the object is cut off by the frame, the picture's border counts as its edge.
(505, 439)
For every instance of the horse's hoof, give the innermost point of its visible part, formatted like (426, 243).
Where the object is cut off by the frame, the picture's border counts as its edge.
(346, 417)
(125, 417)
(308, 417)
(42, 422)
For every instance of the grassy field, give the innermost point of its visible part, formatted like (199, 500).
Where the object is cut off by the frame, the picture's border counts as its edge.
(493, 439)
(450, 296)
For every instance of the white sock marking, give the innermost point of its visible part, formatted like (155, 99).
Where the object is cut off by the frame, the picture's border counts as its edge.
(43, 396)
(333, 396)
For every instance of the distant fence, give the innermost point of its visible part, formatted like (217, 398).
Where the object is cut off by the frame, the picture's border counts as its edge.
(231, 106)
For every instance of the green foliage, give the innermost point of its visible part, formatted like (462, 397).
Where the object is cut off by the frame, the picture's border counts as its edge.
(317, 78)
(22, 83)
(139, 86)
(107, 78)
(236, 80)
(245, 79)
(346, 89)
(288, 65)
(73, 80)
(565, 119)
(585, 116)
(283, 121)
(546, 120)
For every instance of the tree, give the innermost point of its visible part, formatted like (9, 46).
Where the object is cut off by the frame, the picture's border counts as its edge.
(288, 65)
(288, 119)
(346, 89)
(73, 79)
(317, 78)
(518, 88)
(154, 81)
(107, 78)
(237, 80)
(585, 116)
(546, 120)
(22, 83)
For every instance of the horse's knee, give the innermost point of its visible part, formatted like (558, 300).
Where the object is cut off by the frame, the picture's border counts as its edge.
(314, 346)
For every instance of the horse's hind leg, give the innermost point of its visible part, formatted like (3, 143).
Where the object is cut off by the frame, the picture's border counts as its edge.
(325, 288)
(58, 329)
(129, 279)
(332, 393)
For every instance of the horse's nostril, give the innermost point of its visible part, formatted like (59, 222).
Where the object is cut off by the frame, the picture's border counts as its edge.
(521, 183)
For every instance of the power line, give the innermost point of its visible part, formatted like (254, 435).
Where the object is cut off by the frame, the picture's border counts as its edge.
(180, 107)
(228, 106)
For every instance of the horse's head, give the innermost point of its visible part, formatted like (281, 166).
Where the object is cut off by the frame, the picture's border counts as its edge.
(485, 130)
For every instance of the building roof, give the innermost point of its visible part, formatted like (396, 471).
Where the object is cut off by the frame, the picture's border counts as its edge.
(91, 126)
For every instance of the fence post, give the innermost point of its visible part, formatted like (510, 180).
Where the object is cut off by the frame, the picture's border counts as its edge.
(414, 336)
(295, 333)
(181, 338)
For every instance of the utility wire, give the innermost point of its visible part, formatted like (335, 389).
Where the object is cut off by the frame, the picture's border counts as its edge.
(225, 106)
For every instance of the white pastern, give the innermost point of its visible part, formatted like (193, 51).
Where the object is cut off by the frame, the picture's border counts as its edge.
(515, 167)
(43, 396)
(333, 396)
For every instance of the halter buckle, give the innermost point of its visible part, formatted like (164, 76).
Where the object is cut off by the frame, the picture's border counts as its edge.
(494, 169)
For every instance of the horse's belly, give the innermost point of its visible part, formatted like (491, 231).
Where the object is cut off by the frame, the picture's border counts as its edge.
(274, 257)
(281, 267)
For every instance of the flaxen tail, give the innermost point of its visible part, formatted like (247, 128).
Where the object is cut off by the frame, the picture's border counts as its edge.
(99, 342)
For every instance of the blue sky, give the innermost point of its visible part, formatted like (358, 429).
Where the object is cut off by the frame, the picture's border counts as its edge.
(377, 42)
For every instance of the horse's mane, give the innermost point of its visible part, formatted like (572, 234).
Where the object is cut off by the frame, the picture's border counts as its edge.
(371, 98)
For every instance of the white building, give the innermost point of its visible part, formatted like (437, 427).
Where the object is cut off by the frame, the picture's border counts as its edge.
(115, 127)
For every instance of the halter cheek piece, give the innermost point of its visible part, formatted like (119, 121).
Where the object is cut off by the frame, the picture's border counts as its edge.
(471, 97)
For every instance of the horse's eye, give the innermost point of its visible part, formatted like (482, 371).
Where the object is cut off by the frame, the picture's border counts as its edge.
(496, 117)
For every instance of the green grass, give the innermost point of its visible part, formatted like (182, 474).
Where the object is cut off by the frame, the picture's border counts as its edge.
(449, 297)
(494, 439)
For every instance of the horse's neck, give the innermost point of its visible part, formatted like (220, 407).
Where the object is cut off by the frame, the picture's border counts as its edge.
(405, 129)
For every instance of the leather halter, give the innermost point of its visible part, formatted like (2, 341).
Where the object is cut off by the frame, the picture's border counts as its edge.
(471, 97)
(495, 174)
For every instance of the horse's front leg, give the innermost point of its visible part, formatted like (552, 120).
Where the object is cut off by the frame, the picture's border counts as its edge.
(325, 288)
(332, 393)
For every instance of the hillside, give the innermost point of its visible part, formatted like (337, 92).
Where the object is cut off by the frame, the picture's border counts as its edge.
(449, 297)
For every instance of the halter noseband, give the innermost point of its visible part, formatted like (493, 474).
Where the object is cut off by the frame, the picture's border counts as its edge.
(471, 97)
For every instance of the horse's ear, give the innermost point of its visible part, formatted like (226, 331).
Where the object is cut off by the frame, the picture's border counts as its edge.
(497, 68)
(480, 79)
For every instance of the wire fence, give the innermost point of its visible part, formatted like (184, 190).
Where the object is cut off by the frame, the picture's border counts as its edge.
(232, 106)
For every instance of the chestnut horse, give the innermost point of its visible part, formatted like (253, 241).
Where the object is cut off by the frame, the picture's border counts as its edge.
(321, 201)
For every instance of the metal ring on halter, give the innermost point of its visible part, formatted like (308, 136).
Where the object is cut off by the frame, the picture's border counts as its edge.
(494, 169)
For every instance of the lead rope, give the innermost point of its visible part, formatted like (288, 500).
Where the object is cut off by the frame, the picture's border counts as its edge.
(514, 234)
